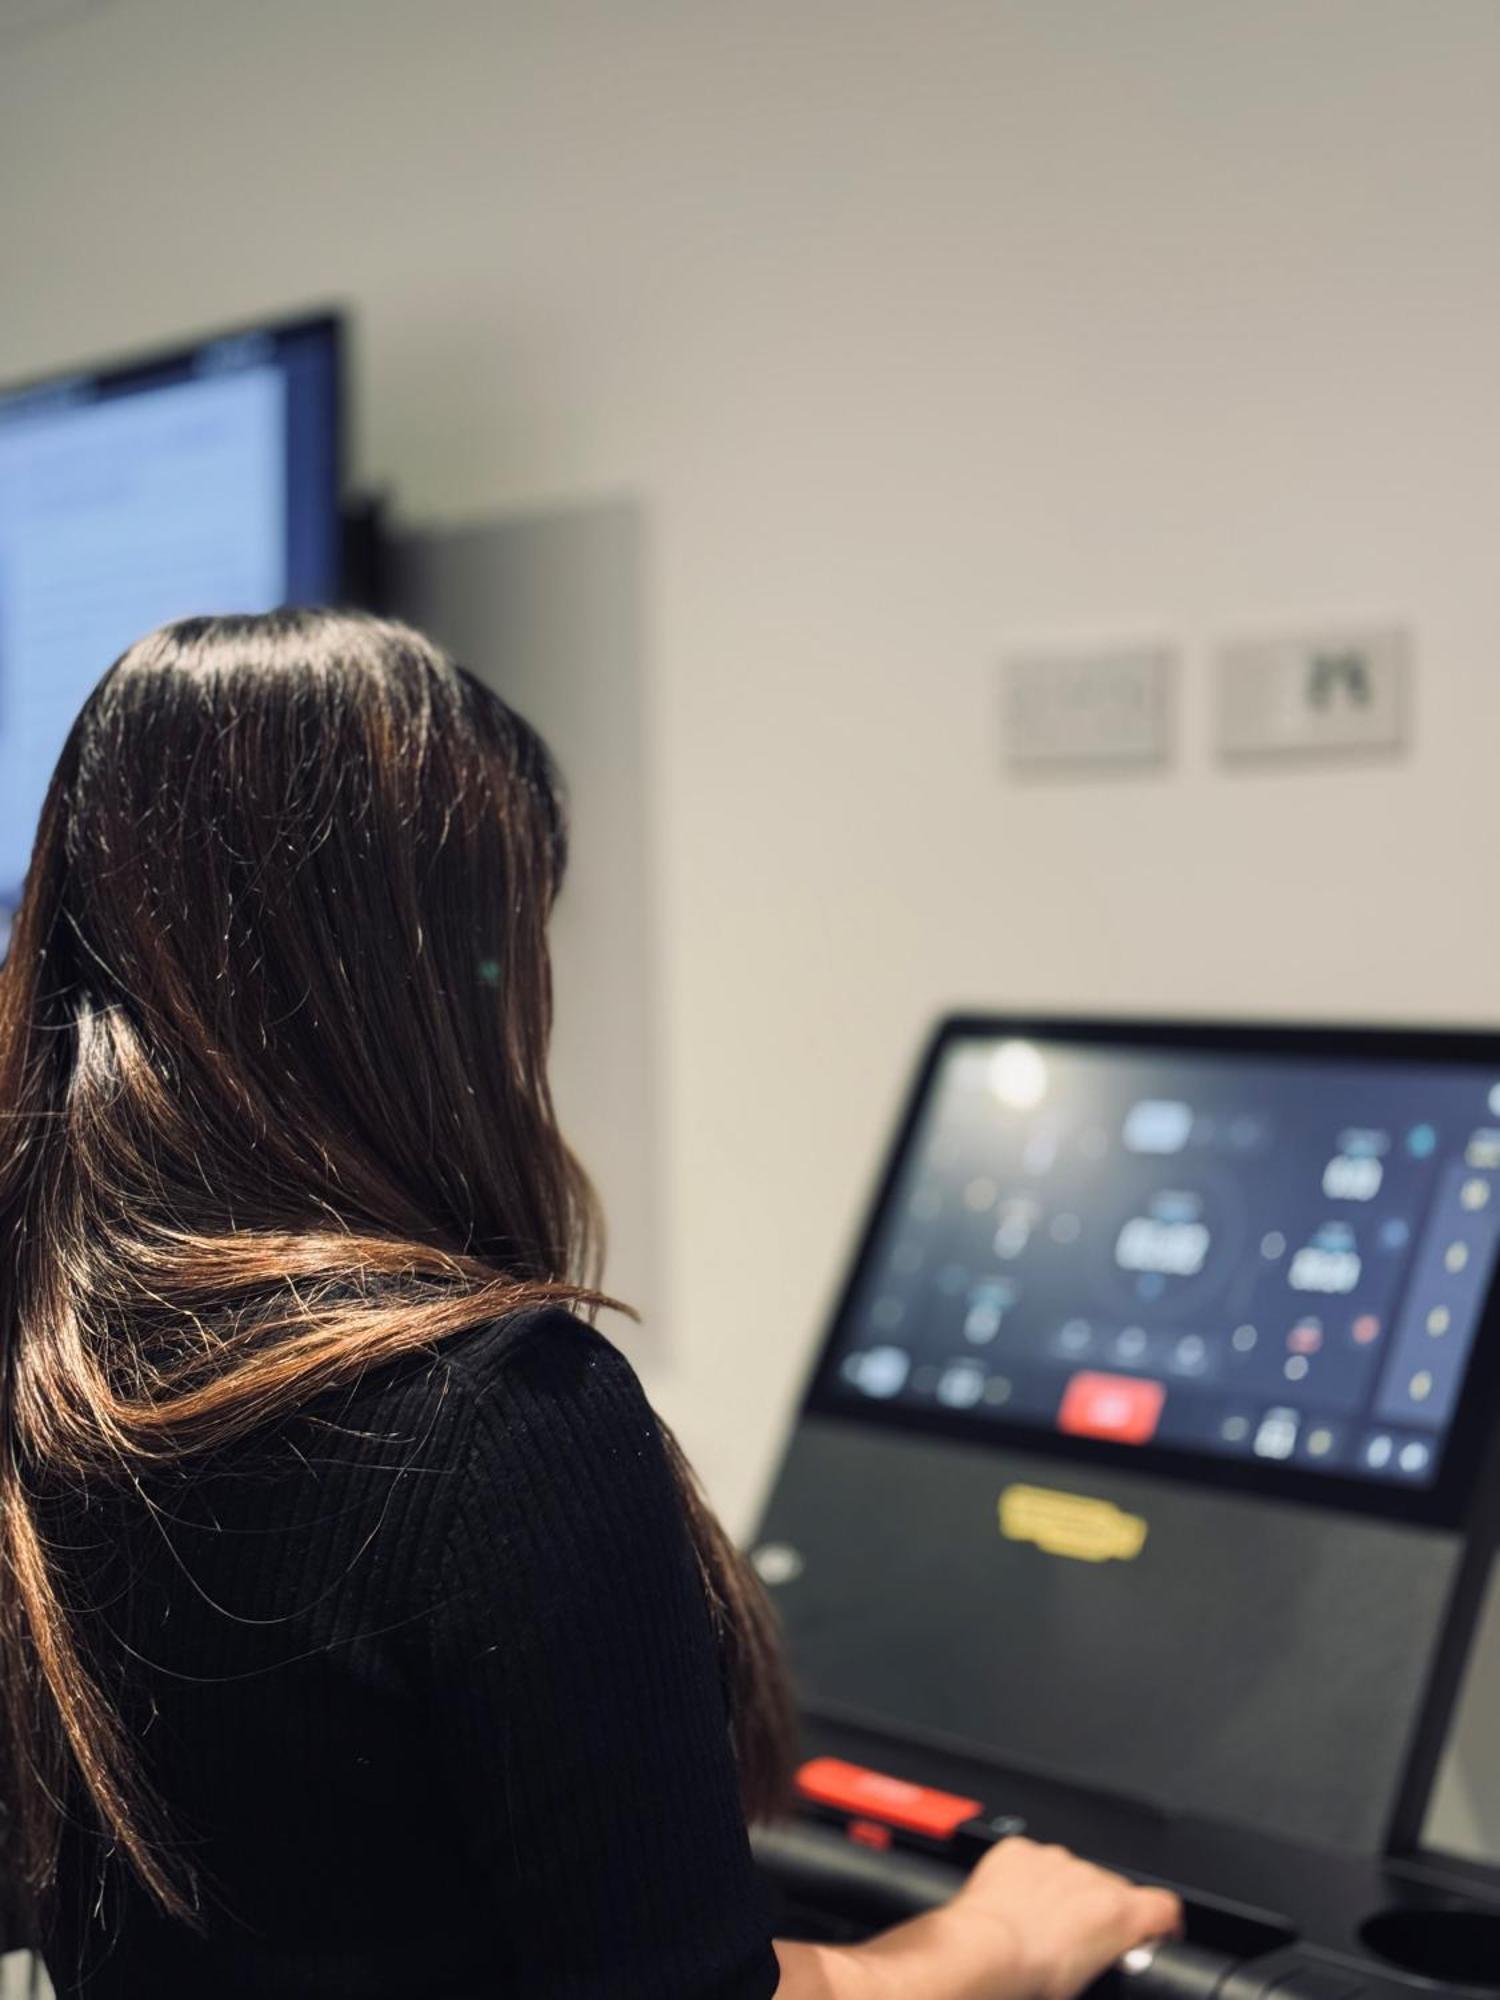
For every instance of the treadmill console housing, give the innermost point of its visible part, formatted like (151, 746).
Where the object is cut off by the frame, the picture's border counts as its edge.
(1149, 1449)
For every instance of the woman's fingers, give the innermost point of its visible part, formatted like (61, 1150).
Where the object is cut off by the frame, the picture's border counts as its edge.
(1067, 1919)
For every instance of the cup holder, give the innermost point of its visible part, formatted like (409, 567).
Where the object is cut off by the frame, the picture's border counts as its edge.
(1460, 1946)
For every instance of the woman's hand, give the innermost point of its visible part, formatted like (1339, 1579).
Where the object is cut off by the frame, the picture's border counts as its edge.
(1058, 1921)
(1031, 1923)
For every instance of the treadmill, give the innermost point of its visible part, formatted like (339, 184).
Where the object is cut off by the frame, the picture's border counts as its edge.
(1143, 1496)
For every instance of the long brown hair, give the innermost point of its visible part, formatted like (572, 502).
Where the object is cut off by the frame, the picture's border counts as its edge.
(273, 1109)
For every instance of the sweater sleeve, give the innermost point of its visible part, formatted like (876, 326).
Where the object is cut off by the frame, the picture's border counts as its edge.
(583, 1738)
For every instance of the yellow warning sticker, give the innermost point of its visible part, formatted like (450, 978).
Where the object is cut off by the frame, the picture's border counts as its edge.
(1071, 1524)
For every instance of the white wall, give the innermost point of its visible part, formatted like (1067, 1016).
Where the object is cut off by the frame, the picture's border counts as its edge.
(919, 326)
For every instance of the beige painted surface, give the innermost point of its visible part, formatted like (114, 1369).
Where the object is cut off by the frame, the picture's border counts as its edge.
(15, 1979)
(548, 609)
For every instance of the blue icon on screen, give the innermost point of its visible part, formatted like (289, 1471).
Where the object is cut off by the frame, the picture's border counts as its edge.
(1421, 1142)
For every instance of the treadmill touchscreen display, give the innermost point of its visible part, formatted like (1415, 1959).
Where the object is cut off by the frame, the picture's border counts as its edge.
(1250, 1255)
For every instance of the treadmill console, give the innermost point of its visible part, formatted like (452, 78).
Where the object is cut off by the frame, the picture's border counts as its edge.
(1143, 1490)
(1265, 1257)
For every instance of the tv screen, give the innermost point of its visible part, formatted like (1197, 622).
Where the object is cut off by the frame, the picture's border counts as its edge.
(200, 481)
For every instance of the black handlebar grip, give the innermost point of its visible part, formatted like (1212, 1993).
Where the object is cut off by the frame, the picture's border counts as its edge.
(879, 1886)
(1170, 1970)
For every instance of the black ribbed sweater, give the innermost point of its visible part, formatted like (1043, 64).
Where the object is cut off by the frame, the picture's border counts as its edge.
(427, 1681)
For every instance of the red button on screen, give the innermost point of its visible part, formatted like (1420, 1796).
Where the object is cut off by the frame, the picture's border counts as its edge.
(1111, 1406)
(828, 1781)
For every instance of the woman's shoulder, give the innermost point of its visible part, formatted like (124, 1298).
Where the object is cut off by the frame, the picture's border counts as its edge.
(524, 1364)
(538, 1342)
(475, 1414)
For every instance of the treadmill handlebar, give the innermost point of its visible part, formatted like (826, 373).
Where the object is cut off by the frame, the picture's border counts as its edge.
(884, 1885)
(881, 1887)
(1172, 1969)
